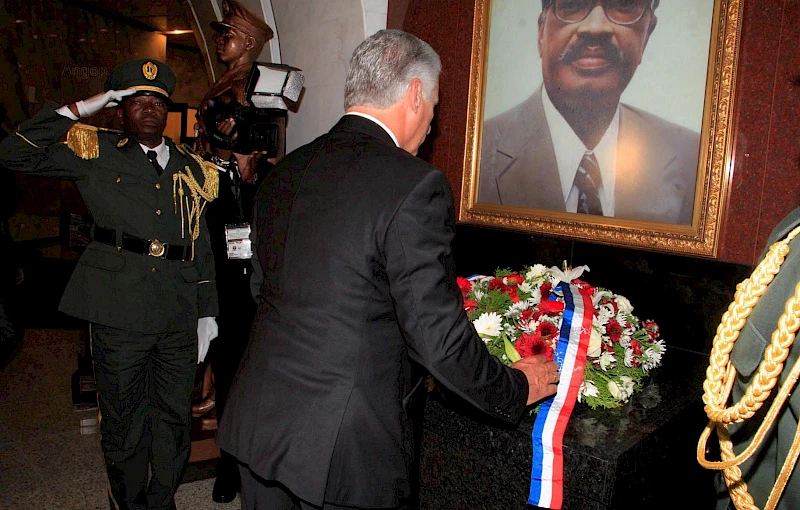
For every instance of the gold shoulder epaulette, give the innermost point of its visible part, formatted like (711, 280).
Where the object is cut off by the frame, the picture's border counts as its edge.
(82, 140)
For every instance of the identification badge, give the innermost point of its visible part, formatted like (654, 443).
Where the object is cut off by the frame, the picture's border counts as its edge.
(238, 239)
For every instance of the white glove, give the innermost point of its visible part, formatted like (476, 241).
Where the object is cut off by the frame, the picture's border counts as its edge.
(207, 330)
(94, 104)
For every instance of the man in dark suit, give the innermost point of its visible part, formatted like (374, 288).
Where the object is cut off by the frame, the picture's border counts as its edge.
(572, 146)
(353, 235)
(146, 282)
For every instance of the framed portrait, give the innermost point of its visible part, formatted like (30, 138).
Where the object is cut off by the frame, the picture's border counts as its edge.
(606, 121)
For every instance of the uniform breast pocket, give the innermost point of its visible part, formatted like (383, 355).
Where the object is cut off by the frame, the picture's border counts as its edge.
(100, 259)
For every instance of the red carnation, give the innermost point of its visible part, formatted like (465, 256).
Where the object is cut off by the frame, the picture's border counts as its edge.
(515, 279)
(526, 315)
(497, 284)
(551, 307)
(613, 330)
(636, 347)
(652, 329)
(465, 286)
(545, 290)
(530, 345)
(547, 330)
(470, 305)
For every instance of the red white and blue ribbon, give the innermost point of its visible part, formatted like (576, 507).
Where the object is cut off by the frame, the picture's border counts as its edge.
(547, 470)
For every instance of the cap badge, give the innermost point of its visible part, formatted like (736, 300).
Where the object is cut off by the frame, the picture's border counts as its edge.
(150, 70)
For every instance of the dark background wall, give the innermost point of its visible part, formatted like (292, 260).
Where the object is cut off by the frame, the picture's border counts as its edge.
(685, 295)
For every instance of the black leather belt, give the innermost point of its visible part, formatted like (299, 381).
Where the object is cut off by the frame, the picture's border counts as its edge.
(152, 247)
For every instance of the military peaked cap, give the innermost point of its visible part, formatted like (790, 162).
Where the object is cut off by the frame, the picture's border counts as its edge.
(235, 15)
(148, 76)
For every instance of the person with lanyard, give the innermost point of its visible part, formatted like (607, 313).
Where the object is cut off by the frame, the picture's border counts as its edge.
(240, 38)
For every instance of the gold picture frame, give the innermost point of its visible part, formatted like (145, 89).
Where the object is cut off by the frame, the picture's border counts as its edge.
(714, 164)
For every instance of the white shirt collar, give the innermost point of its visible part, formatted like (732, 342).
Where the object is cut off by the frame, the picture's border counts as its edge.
(162, 152)
(376, 121)
(570, 150)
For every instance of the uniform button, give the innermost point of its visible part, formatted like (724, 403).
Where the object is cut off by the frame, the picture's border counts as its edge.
(158, 212)
(119, 179)
(158, 185)
(153, 270)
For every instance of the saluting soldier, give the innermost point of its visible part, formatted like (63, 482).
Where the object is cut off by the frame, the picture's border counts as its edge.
(146, 283)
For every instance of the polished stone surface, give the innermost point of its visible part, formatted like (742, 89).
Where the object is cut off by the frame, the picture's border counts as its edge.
(641, 455)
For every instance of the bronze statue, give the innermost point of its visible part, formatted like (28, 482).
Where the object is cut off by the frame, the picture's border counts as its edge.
(241, 37)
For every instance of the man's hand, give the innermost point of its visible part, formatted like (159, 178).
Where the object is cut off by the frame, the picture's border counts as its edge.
(207, 330)
(542, 376)
(94, 104)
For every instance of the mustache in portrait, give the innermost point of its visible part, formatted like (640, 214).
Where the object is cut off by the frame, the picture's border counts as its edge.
(591, 47)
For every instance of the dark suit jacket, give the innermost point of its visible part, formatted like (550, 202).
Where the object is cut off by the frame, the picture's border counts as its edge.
(761, 470)
(123, 192)
(655, 175)
(354, 238)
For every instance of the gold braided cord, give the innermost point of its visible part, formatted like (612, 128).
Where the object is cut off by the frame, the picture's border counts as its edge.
(721, 375)
(192, 206)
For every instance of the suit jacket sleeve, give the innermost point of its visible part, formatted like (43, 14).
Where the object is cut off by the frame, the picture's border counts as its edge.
(429, 305)
(34, 148)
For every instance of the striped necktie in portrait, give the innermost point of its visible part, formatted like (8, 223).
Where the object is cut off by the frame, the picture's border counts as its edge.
(588, 182)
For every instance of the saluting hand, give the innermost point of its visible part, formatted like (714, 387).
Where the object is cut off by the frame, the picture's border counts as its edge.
(542, 376)
(94, 104)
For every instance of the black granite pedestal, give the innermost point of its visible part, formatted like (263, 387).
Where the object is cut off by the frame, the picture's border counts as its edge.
(638, 456)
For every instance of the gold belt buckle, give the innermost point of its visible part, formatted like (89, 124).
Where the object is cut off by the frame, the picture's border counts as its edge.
(157, 248)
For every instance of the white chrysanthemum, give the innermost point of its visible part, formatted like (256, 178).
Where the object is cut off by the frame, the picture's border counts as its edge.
(536, 296)
(595, 344)
(604, 313)
(488, 324)
(652, 355)
(516, 309)
(625, 341)
(623, 304)
(628, 357)
(529, 327)
(477, 293)
(536, 271)
(525, 287)
(587, 388)
(607, 361)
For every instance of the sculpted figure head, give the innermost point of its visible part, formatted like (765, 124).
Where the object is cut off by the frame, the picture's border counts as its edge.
(241, 35)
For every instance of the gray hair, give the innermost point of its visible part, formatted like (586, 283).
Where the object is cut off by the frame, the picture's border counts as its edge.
(384, 64)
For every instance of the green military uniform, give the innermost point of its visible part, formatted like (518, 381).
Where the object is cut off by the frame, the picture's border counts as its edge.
(761, 470)
(143, 283)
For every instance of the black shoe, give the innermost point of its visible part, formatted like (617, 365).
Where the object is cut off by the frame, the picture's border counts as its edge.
(225, 488)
